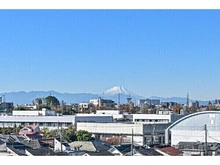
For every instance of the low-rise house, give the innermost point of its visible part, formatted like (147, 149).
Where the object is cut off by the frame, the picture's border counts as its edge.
(16, 148)
(47, 142)
(91, 148)
(43, 152)
(198, 148)
(31, 131)
(126, 150)
(34, 144)
(61, 145)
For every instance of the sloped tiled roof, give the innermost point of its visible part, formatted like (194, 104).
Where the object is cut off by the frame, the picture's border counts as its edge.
(63, 142)
(147, 151)
(100, 146)
(45, 152)
(93, 148)
(31, 143)
(170, 150)
(17, 152)
(100, 153)
(124, 148)
(47, 142)
(83, 145)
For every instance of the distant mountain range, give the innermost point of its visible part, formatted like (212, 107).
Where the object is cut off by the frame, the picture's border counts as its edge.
(117, 93)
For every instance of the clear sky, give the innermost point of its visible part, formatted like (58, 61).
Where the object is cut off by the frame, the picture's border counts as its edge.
(150, 52)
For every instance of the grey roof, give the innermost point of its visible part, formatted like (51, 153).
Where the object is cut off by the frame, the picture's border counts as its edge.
(45, 152)
(31, 143)
(100, 153)
(12, 138)
(100, 146)
(93, 148)
(17, 152)
(147, 151)
(16, 147)
(124, 148)
(2, 146)
(1, 142)
(84, 145)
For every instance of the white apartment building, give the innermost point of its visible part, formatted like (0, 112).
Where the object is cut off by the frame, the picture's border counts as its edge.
(43, 112)
(161, 117)
(102, 102)
(117, 114)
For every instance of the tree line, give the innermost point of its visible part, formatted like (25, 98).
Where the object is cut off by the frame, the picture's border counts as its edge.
(69, 134)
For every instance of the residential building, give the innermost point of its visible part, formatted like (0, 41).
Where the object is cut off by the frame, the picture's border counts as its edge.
(117, 114)
(6, 107)
(160, 117)
(140, 102)
(106, 103)
(198, 148)
(61, 145)
(92, 148)
(84, 107)
(43, 112)
(31, 131)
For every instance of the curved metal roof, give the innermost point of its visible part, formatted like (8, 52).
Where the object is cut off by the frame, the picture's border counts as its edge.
(193, 115)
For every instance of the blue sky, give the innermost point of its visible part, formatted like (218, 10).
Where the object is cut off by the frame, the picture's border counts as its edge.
(150, 52)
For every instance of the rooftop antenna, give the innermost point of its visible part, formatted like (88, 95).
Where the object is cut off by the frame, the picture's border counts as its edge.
(187, 101)
(118, 100)
(129, 98)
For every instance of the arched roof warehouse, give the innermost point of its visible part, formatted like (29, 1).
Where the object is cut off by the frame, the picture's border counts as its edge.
(191, 128)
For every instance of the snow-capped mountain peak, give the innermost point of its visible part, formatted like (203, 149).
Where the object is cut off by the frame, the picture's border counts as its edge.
(117, 90)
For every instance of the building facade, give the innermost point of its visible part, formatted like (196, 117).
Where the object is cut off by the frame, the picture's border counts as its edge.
(194, 128)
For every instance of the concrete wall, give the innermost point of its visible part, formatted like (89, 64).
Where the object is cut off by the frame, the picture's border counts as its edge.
(111, 128)
(43, 112)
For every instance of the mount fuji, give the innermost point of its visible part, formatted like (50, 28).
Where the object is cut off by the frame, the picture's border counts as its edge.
(113, 93)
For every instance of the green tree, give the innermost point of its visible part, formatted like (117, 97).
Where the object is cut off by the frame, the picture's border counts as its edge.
(52, 101)
(83, 135)
(69, 135)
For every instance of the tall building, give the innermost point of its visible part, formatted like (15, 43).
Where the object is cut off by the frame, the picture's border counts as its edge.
(140, 102)
(103, 103)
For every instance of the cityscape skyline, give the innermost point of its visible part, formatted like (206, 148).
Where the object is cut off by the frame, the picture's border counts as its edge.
(150, 52)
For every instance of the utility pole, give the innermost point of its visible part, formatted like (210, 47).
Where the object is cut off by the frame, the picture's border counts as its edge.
(59, 135)
(61, 138)
(187, 102)
(206, 146)
(153, 132)
(132, 141)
